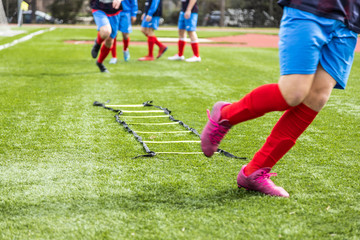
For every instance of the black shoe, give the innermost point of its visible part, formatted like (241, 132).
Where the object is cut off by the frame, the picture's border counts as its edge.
(102, 67)
(95, 50)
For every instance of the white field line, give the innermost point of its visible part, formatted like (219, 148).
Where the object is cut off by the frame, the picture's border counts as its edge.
(26, 38)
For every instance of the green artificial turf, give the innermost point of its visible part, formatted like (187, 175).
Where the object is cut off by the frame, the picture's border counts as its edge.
(67, 169)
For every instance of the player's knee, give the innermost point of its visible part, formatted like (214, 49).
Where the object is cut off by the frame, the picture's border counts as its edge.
(295, 98)
(192, 35)
(317, 101)
(105, 32)
(125, 36)
(144, 31)
(322, 100)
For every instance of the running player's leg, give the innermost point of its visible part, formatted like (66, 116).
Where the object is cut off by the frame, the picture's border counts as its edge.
(126, 41)
(333, 70)
(148, 29)
(182, 38)
(299, 50)
(335, 63)
(105, 49)
(104, 31)
(194, 46)
(126, 29)
(191, 24)
(155, 25)
(113, 59)
(148, 32)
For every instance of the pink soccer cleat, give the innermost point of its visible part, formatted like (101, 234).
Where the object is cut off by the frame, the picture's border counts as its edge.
(214, 130)
(260, 181)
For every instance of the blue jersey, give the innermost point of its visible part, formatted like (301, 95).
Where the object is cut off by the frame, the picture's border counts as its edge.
(104, 5)
(130, 6)
(153, 8)
(346, 11)
(184, 5)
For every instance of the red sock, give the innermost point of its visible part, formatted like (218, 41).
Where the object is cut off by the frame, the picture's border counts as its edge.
(261, 100)
(104, 51)
(282, 138)
(195, 48)
(151, 43)
(126, 43)
(99, 40)
(113, 49)
(181, 46)
(159, 44)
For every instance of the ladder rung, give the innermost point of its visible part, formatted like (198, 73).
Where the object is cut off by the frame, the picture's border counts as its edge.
(170, 123)
(124, 105)
(182, 153)
(158, 116)
(186, 141)
(163, 132)
(146, 111)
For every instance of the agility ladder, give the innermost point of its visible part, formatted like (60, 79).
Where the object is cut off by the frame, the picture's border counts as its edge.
(174, 121)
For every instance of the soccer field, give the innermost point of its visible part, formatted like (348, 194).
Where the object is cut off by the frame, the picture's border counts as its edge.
(67, 168)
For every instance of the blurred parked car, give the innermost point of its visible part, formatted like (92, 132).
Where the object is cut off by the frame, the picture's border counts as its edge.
(212, 19)
(232, 18)
(41, 17)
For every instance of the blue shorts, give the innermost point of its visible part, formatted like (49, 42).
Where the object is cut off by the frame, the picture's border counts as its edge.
(125, 22)
(307, 40)
(188, 24)
(154, 23)
(101, 19)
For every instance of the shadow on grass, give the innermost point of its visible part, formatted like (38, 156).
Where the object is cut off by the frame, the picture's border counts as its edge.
(167, 198)
(163, 199)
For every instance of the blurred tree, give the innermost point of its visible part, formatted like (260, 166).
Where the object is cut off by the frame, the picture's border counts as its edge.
(11, 9)
(267, 13)
(66, 10)
(33, 10)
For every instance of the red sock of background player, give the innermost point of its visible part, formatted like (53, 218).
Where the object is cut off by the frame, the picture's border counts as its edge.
(282, 138)
(104, 51)
(99, 40)
(181, 46)
(195, 48)
(151, 43)
(126, 43)
(158, 43)
(261, 100)
(113, 49)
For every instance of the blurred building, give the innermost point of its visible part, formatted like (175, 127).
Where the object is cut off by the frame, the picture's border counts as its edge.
(42, 5)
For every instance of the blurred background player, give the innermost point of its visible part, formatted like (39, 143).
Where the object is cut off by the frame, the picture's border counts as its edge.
(106, 16)
(316, 49)
(187, 23)
(150, 23)
(127, 18)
